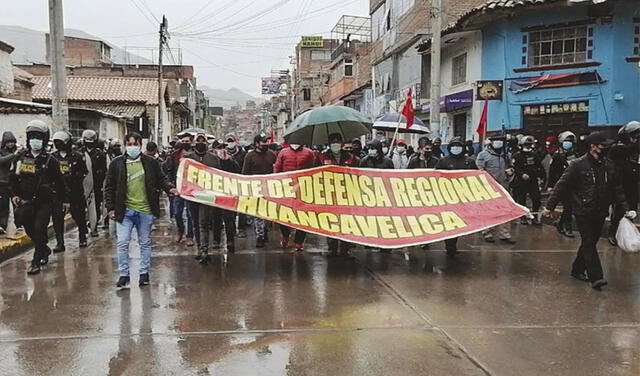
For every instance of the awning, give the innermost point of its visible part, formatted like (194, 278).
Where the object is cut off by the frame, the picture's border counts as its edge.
(554, 80)
(127, 111)
(453, 102)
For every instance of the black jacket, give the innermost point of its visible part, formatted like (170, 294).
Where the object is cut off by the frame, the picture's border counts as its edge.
(417, 162)
(591, 186)
(115, 188)
(37, 178)
(6, 157)
(73, 168)
(459, 162)
(625, 159)
(528, 163)
(559, 163)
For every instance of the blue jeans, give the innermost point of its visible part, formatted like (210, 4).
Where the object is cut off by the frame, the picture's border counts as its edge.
(142, 223)
(179, 206)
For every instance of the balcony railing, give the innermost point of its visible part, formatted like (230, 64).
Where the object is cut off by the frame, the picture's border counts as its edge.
(343, 48)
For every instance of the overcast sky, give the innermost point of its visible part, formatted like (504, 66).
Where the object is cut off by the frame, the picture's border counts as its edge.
(231, 43)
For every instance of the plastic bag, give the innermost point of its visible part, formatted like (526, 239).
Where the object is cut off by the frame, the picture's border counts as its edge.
(628, 236)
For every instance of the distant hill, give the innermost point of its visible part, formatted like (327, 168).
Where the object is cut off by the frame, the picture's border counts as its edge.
(30, 45)
(228, 98)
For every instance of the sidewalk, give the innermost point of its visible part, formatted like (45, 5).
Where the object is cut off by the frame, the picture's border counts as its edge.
(15, 242)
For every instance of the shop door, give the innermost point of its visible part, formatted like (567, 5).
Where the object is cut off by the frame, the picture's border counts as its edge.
(543, 126)
(460, 125)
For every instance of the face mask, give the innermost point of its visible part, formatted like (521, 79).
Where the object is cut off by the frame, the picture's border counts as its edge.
(261, 148)
(385, 150)
(335, 148)
(372, 152)
(497, 144)
(456, 150)
(116, 150)
(526, 149)
(59, 145)
(186, 147)
(401, 149)
(133, 151)
(231, 145)
(603, 152)
(201, 148)
(89, 144)
(35, 144)
(295, 146)
(427, 152)
(567, 145)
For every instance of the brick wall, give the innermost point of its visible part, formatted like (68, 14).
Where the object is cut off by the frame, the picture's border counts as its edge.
(142, 71)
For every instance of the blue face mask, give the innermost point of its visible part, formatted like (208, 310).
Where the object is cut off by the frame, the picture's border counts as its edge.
(372, 153)
(456, 150)
(35, 144)
(567, 145)
(133, 151)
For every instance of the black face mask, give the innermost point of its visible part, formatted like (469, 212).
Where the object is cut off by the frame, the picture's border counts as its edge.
(201, 148)
(89, 145)
(59, 145)
(262, 148)
(116, 150)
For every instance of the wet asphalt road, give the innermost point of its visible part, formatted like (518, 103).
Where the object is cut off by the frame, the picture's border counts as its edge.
(494, 310)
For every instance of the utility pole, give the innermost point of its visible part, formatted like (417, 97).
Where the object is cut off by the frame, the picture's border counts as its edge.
(436, 30)
(59, 103)
(163, 40)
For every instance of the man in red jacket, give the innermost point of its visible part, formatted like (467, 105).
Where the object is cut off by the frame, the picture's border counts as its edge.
(294, 158)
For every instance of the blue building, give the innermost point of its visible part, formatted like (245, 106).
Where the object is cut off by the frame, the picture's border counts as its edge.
(561, 64)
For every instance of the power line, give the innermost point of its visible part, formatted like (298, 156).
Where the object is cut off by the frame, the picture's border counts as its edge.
(221, 66)
(144, 3)
(143, 12)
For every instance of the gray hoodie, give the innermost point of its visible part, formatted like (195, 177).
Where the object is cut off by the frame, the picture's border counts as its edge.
(495, 164)
(6, 157)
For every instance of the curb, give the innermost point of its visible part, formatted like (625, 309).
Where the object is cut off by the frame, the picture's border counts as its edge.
(20, 243)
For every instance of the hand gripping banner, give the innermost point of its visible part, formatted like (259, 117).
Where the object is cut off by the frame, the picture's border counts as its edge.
(379, 208)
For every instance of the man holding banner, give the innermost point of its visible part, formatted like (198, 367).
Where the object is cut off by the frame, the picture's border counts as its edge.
(456, 160)
(336, 156)
(294, 158)
(259, 161)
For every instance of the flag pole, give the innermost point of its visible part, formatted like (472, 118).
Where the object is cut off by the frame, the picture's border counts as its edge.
(395, 134)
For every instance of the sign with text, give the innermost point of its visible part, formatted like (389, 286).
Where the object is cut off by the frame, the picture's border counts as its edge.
(380, 208)
(312, 42)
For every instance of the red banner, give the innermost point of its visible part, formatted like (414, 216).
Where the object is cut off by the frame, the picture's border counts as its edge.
(379, 208)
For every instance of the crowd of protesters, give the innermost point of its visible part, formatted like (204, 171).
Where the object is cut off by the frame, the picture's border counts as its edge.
(591, 176)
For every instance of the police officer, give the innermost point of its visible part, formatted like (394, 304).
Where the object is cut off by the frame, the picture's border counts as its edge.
(90, 145)
(625, 155)
(73, 168)
(592, 185)
(113, 150)
(456, 160)
(35, 182)
(528, 169)
(560, 160)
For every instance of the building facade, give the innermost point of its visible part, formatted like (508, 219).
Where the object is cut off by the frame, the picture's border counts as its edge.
(312, 72)
(563, 65)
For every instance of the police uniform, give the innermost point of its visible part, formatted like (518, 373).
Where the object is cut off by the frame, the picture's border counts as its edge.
(37, 181)
(527, 163)
(73, 168)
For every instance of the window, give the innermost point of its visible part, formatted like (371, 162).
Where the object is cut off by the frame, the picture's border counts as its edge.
(321, 55)
(560, 46)
(378, 22)
(348, 67)
(636, 40)
(306, 94)
(459, 69)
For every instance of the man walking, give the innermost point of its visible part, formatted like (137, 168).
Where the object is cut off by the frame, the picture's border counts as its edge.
(337, 156)
(98, 170)
(456, 160)
(294, 158)
(591, 184)
(73, 169)
(34, 183)
(8, 150)
(259, 161)
(494, 160)
(238, 154)
(132, 199)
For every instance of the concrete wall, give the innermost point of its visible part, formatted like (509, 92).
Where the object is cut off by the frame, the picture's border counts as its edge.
(6, 73)
(17, 123)
(613, 42)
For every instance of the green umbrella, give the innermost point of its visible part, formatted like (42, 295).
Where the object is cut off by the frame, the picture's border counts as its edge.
(314, 127)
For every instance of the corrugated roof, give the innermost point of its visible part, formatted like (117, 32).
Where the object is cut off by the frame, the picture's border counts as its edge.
(128, 111)
(490, 5)
(101, 89)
